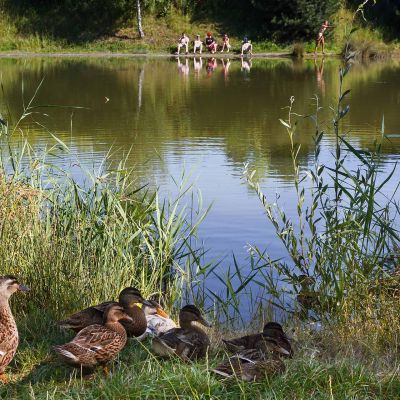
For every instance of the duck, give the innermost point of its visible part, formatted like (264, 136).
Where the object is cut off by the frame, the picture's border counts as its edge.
(130, 299)
(158, 321)
(307, 297)
(96, 345)
(9, 338)
(187, 342)
(272, 340)
(250, 365)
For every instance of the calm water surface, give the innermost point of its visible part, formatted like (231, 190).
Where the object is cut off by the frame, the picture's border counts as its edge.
(205, 117)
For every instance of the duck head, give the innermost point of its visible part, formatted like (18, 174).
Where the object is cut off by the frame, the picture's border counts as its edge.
(9, 285)
(273, 326)
(115, 313)
(155, 309)
(191, 313)
(130, 297)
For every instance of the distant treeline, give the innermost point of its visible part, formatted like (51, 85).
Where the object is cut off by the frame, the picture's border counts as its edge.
(278, 20)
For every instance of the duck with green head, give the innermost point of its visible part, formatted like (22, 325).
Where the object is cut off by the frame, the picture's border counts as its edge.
(130, 299)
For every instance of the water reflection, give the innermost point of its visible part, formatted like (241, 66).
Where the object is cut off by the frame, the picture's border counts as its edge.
(206, 115)
(319, 73)
(246, 64)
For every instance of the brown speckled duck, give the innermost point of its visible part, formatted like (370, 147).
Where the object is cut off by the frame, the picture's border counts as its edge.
(271, 340)
(250, 365)
(130, 299)
(8, 329)
(187, 342)
(96, 345)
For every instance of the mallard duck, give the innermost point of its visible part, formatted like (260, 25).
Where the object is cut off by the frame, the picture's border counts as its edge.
(8, 329)
(307, 296)
(96, 345)
(187, 342)
(250, 365)
(158, 321)
(130, 299)
(271, 340)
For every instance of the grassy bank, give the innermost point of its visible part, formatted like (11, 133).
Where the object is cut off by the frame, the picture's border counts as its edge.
(326, 365)
(161, 35)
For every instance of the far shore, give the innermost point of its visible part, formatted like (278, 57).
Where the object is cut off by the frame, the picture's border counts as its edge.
(105, 54)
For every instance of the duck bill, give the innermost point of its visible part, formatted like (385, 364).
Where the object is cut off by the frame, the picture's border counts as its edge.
(126, 318)
(23, 288)
(205, 323)
(147, 303)
(161, 312)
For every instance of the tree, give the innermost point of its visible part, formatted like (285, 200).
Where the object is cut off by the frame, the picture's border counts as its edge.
(289, 20)
(139, 19)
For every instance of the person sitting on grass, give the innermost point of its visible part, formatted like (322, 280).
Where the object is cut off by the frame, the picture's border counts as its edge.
(247, 47)
(211, 43)
(225, 43)
(183, 42)
(198, 44)
(320, 40)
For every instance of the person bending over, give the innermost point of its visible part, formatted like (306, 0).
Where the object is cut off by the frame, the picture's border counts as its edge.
(247, 47)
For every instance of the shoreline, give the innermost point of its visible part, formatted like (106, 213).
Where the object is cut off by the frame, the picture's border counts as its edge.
(105, 54)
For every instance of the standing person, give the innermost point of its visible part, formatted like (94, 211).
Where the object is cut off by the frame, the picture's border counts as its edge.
(320, 40)
(198, 44)
(183, 42)
(211, 43)
(225, 43)
(247, 46)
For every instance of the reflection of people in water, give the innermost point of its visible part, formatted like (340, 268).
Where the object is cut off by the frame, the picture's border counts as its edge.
(197, 65)
(211, 66)
(183, 68)
(246, 64)
(319, 72)
(225, 67)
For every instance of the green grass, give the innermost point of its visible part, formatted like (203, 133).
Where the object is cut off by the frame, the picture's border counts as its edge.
(136, 373)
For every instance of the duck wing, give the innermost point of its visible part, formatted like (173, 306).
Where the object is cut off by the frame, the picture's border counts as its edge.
(92, 345)
(242, 343)
(89, 316)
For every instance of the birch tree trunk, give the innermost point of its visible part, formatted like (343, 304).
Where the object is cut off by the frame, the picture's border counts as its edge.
(139, 19)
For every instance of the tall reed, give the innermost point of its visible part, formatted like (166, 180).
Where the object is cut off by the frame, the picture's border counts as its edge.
(76, 244)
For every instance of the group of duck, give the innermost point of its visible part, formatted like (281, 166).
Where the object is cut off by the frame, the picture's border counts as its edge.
(103, 330)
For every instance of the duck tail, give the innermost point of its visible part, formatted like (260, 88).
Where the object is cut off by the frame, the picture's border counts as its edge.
(64, 353)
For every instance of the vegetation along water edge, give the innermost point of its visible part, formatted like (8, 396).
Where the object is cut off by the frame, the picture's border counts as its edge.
(111, 26)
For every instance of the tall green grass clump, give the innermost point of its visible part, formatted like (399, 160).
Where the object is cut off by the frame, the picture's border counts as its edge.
(341, 249)
(77, 244)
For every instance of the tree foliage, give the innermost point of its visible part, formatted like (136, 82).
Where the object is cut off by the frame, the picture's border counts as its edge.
(69, 18)
(294, 19)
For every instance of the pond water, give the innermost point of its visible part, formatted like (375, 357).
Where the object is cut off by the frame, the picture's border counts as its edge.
(206, 117)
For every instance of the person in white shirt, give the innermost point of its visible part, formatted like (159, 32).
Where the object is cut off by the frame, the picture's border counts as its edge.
(183, 42)
(198, 44)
